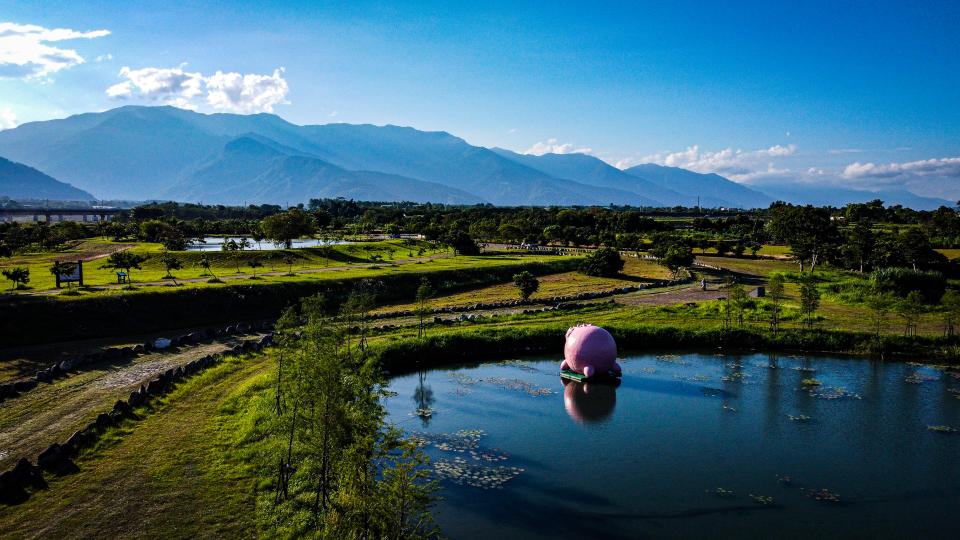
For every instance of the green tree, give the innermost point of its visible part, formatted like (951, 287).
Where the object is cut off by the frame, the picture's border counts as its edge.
(809, 298)
(604, 262)
(174, 240)
(254, 263)
(124, 260)
(910, 309)
(739, 301)
(283, 228)
(461, 243)
(170, 263)
(18, 276)
(950, 306)
(808, 230)
(879, 304)
(859, 245)
(424, 294)
(677, 256)
(775, 294)
(61, 268)
(526, 284)
(204, 263)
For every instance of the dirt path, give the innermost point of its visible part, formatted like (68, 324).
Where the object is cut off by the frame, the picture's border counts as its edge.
(164, 478)
(51, 412)
(245, 276)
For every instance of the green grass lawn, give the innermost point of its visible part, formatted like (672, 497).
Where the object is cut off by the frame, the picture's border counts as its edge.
(635, 272)
(222, 263)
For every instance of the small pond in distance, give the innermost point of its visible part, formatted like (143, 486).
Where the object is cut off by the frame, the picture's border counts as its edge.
(691, 445)
(214, 243)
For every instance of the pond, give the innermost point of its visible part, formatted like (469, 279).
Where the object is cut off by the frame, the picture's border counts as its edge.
(214, 243)
(690, 445)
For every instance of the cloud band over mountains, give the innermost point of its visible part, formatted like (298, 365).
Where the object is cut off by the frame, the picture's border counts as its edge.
(232, 92)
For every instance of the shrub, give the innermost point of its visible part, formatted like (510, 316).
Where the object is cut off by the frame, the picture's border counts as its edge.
(604, 262)
(901, 281)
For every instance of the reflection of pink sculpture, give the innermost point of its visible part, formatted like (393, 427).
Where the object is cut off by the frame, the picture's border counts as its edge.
(590, 350)
(590, 402)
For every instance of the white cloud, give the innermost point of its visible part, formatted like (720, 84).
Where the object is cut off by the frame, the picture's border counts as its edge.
(845, 151)
(25, 51)
(924, 168)
(234, 92)
(552, 147)
(334, 113)
(246, 93)
(8, 120)
(511, 131)
(103, 58)
(736, 165)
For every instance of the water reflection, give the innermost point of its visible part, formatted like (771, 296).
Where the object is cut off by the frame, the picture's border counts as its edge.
(590, 402)
(423, 396)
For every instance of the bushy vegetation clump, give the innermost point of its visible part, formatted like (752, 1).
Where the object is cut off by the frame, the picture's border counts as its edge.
(901, 281)
(604, 262)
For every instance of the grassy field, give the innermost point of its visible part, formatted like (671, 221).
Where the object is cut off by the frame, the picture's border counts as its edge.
(950, 253)
(635, 272)
(223, 264)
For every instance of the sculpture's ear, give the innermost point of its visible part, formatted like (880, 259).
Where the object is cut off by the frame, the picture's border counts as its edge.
(570, 330)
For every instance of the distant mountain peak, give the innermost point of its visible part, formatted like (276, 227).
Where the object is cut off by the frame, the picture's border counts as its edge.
(19, 181)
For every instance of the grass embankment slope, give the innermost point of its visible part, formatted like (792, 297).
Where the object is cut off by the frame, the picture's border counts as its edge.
(146, 309)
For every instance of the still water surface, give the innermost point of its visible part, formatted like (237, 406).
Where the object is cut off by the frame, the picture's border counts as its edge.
(215, 243)
(679, 447)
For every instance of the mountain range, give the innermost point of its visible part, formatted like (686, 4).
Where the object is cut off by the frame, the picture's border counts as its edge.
(164, 152)
(19, 181)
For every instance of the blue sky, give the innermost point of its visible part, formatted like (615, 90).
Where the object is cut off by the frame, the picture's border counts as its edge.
(858, 94)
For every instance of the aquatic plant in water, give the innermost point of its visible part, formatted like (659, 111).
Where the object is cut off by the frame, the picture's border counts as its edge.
(799, 418)
(520, 364)
(720, 492)
(918, 377)
(671, 359)
(832, 392)
(811, 382)
(461, 471)
(519, 385)
(761, 499)
(728, 408)
(943, 429)
(823, 495)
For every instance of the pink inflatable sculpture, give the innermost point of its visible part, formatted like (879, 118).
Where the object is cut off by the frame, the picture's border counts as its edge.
(590, 402)
(590, 350)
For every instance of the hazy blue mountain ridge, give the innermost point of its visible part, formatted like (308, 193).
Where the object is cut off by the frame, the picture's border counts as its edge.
(136, 152)
(19, 181)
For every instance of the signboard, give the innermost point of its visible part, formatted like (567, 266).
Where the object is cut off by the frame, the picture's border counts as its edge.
(75, 276)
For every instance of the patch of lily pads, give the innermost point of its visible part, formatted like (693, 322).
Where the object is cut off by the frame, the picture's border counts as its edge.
(473, 472)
